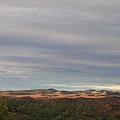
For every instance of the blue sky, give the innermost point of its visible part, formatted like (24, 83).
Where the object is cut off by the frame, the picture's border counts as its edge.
(62, 44)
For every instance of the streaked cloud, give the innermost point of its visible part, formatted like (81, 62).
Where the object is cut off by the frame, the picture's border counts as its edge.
(84, 87)
(67, 40)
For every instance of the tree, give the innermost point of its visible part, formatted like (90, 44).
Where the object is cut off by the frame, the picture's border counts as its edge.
(3, 109)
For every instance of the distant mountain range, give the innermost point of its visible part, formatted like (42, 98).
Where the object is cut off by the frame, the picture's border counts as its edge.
(53, 93)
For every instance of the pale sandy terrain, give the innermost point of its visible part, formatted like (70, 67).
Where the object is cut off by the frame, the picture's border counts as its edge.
(5, 94)
(52, 93)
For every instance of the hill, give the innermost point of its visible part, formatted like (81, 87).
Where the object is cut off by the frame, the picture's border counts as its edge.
(53, 93)
(27, 108)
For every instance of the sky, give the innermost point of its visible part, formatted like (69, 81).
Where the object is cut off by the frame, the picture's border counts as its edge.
(61, 44)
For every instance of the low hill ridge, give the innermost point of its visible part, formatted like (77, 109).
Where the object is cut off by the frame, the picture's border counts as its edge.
(53, 93)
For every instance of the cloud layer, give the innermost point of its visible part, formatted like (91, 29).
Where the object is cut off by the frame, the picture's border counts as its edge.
(45, 43)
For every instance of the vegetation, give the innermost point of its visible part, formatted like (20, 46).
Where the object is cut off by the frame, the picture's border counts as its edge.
(60, 109)
(3, 108)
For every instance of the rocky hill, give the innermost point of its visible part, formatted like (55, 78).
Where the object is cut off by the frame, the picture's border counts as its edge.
(52, 93)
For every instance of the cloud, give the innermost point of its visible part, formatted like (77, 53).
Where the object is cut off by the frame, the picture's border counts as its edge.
(112, 87)
(84, 87)
(59, 39)
(53, 16)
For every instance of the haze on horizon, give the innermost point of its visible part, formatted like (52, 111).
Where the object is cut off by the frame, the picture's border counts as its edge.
(61, 44)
